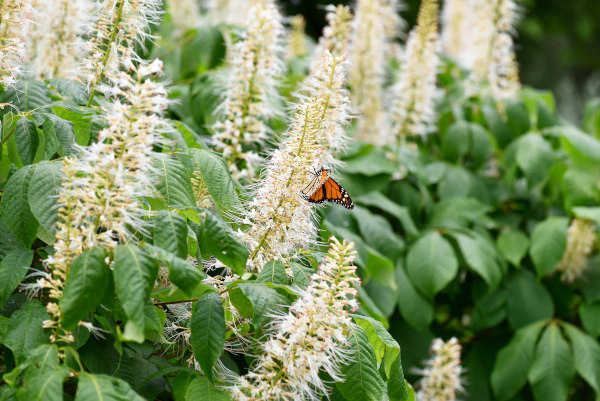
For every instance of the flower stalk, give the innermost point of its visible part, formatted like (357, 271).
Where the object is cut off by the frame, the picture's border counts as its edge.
(581, 237)
(412, 111)
(442, 373)
(256, 65)
(311, 338)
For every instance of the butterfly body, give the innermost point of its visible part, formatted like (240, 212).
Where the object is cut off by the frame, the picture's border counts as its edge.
(324, 188)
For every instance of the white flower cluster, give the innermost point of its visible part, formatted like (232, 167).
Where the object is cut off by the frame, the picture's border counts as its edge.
(297, 41)
(311, 338)
(57, 42)
(442, 373)
(278, 220)
(503, 74)
(234, 12)
(256, 65)
(185, 15)
(102, 188)
(412, 109)
(336, 34)
(581, 237)
(328, 81)
(14, 28)
(370, 45)
(489, 53)
(119, 26)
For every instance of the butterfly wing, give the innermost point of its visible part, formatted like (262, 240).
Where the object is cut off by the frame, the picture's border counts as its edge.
(315, 184)
(334, 192)
(318, 196)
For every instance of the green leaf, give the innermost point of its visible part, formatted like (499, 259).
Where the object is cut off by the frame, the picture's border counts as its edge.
(590, 317)
(362, 380)
(27, 95)
(548, 243)
(586, 353)
(382, 342)
(378, 233)
(25, 333)
(97, 387)
(43, 380)
(527, 300)
(578, 144)
(217, 239)
(513, 362)
(457, 213)
(553, 367)
(181, 273)
(13, 268)
(201, 389)
(378, 200)
(43, 194)
(216, 177)
(265, 301)
(455, 141)
(301, 274)
(15, 210)
(134, 274)
(397, 388)
(27, 139)
(458, 182)
(62, 130)
(578, 188)
(415, 308)
(517, 116)
(204, 51)
(431, 263)
(373, 163)
(534, 157)
(480, 256)
(273, 272)
(72, 89)
(174, 183)
(81, 121)
(170, 233)
(589, 213)
(88, 282)
(208, 331)
(190, 137)
(512, 244)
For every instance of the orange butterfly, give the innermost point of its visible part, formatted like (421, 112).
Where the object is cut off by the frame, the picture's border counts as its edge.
(324, 188)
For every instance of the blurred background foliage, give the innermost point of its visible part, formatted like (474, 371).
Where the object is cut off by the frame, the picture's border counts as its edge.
(557, 44)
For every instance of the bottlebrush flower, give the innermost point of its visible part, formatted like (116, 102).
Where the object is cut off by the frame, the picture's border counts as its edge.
(442, 373)
(581, 237)
(328, 81)
(256, 66)
(489, 53)
(412, 110)
(234, 12)
(57, 42)
(455, 29)
(310, 338)
(370, 45)
(120, 25)
(277, 219)
(296, 45)
(335, 35)
(102, 188)
(14, 27)
(503, 73)
(185, 15)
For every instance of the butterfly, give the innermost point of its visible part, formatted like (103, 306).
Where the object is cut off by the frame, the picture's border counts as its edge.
(324, 188)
